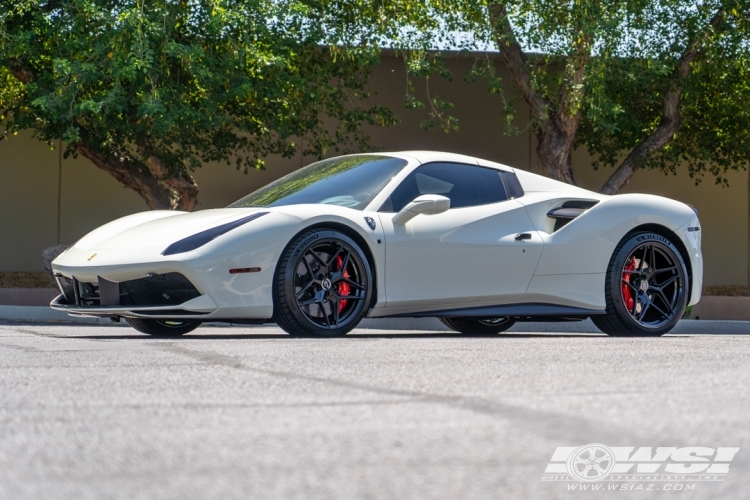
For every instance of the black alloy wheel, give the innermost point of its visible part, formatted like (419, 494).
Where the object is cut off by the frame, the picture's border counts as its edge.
(163, 327)
(646, 287)
(323, 284)
(479, 326)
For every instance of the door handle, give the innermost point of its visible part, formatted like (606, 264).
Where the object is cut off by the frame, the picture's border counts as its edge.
(523, 236)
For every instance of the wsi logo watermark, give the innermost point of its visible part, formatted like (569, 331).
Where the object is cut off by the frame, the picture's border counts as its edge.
(666, 465)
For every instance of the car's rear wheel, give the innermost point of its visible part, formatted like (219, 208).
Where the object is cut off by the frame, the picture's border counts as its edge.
(323, 284)
(646, 287)
(163, 327)
(479, 326)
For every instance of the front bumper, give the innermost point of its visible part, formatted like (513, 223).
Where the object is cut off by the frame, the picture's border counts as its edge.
(183, 311)
(205, 290)
(155, 295)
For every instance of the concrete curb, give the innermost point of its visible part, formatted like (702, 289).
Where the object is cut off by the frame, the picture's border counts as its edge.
(36, 314)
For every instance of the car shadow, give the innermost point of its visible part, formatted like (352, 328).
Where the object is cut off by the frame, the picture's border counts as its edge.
(354, 336)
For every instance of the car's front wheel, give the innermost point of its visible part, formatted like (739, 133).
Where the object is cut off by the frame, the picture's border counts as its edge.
(163, 328)
(479, 326)
(646, 288)
(323, 284)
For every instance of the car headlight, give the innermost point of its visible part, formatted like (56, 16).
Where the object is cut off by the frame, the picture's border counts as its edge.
(199, 239)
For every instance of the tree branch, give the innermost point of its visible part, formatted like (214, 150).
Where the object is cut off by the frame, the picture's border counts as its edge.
(568, 116)
(514, 59)
(22, 74)
(671, 120)
(129, 175)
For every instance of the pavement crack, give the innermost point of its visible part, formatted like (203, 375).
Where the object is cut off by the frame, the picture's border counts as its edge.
(554, 426)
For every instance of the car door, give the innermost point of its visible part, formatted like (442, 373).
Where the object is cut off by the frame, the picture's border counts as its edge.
(470, 255)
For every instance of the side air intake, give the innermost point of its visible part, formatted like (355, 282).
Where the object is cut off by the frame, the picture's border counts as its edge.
(569, 211)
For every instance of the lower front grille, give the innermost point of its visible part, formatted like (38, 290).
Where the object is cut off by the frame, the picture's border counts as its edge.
(155, 290)
(66, 287)
(168, 289)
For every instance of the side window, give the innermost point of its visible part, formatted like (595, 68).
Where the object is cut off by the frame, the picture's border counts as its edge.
(465, 185)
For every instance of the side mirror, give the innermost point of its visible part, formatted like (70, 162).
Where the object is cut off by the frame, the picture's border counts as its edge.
(426, 204)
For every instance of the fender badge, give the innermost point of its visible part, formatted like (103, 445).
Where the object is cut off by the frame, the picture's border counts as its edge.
(92, 256)
(370, 222)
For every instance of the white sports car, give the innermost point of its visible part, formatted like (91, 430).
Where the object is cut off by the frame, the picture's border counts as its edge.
(413, 234)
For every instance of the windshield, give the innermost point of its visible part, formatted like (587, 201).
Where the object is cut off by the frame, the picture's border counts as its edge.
(348, 181)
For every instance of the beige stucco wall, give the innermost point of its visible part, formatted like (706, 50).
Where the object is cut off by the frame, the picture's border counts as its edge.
(90, 197)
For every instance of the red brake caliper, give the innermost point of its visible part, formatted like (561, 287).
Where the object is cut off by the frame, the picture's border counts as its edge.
(343, 288)
(627, 295)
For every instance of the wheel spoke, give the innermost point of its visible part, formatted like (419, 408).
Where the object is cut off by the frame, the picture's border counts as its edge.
(302, 292)
(335, 308)
(645, 306)
(652, 304)
(345, 262)
(308, 267)
(308, 302)
(351, 297)
(351, 283)
(670, 268)
(664, 300)
(666, 283)
(630, 285)
(652, 264)
(325, 314)
(317, 257)
(333, 258)
(643, 259)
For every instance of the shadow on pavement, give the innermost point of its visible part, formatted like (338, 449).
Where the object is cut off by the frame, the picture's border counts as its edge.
(355, 336)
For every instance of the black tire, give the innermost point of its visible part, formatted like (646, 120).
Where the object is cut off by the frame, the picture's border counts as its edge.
(323, 284)
(478, 326)
(163, 327)
(646, 287)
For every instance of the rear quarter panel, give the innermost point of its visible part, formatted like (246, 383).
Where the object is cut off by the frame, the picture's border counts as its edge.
(586, 244)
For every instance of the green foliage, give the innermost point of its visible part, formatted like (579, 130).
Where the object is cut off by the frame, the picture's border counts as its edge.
(185, 81)
(624, 95)
(629, 54)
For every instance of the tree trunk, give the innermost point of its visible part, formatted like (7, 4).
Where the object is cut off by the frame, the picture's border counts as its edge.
(556, 128)
(670, 123)
(553, 153)
(183, 187)
(159, 193)
(671, 119)
(158, 188)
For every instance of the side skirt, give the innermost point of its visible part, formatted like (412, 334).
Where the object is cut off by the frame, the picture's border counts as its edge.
(508, 310)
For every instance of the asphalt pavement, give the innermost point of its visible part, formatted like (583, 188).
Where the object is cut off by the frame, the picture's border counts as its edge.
(97, 411)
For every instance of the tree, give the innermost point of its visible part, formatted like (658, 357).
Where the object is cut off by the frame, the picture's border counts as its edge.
(149, 91)
(640, 84)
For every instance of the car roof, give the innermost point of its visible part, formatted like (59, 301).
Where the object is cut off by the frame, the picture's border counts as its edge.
(423, 156)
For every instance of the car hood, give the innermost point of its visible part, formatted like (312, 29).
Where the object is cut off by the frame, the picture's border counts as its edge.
(143, 237)
(157, 229)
